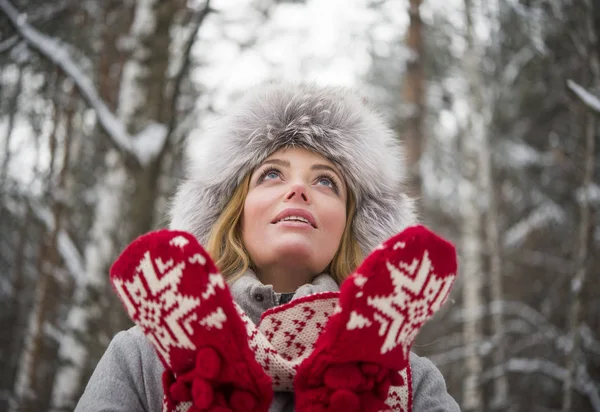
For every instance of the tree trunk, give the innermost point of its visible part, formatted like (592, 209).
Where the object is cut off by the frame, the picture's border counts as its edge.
(586, 227)
(28, 382)
(487, 96)
(98, 253)
(414, 98)
(500, 395)
(586, 224)
(127, 193)
(13, 108)
(17, 315)
(471, 241)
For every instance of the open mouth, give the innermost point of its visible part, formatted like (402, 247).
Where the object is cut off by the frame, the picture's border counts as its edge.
(295, 215)
(294, 219)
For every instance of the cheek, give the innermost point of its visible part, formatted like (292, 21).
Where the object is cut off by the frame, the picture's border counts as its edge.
(336, 219)
(248, 215)
(253, 215)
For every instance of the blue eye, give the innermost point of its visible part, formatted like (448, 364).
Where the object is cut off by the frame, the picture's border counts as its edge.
(326, 181)
(269, 174)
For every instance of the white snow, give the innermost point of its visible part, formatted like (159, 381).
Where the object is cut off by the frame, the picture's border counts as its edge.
(515, 65)
(518, 155)
(590, 100)
(592, 195)
(148, 143)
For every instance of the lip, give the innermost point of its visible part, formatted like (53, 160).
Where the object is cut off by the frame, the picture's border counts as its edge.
(296, 212)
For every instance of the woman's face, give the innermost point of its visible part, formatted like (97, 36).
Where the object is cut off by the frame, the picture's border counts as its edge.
(295, 211)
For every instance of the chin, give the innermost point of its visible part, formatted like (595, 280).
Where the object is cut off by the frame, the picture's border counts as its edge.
(291, 250)
(296, 251)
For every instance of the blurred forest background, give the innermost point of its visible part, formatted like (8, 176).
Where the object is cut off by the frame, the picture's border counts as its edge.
(496, 100)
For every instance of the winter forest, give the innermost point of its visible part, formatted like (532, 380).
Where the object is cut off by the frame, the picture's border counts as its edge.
(497, 101)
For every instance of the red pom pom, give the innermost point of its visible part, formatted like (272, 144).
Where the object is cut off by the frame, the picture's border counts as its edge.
(382, 375)
(382, 389)
(344, 401)
(180, 391)
(242, 401)
(370, 369)
(208, 363)
(203, 393)
(369, 402)
(219, 408)
(344, 376)
(367, 383)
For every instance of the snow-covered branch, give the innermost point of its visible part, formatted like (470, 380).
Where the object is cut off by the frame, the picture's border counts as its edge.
(58, 54)
(592, 102)
(537, 321)
(513, 69)
(8, 44)
(66, 247)
(539, 218)
(583, 384)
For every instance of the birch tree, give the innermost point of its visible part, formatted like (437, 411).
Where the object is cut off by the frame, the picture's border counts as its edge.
(29, 378)
(141, 109)
(500, 399)
(576, 366)
(469, 193)
(413, 92)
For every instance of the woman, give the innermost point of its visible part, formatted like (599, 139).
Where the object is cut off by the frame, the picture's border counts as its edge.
(291, 190)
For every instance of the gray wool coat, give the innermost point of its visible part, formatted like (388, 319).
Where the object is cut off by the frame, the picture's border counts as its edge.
(128, 377)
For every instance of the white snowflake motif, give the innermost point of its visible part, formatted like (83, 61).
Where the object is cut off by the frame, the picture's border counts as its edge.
(408, 276)
(433, 287)
(150, 313)
(407, 334)
(418, 311)
(179, 241)
(160, 309)
(357, 321)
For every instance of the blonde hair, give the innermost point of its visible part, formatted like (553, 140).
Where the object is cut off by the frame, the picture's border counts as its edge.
(227, 249)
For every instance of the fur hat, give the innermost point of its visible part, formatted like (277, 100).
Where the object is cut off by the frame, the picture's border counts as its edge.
(328, 120)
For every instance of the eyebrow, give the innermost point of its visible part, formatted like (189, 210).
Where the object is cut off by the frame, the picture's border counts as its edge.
(283, 163)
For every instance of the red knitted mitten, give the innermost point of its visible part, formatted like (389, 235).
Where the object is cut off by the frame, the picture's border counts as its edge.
(174, 292)
(382, 305)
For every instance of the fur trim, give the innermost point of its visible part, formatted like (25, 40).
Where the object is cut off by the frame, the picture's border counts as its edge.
(331, 121)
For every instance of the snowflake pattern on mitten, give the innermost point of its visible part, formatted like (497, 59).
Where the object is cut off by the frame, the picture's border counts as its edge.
(171, 288)
(361, 360)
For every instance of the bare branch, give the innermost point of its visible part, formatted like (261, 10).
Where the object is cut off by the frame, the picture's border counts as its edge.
(60, 56)
(197, 21)
(583, 385)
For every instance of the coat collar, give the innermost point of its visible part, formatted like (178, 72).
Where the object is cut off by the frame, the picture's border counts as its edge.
(254, 297)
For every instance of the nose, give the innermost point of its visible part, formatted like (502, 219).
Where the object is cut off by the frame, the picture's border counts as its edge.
(298, 191)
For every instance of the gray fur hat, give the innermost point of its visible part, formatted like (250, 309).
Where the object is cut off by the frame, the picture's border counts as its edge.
(328, 120)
